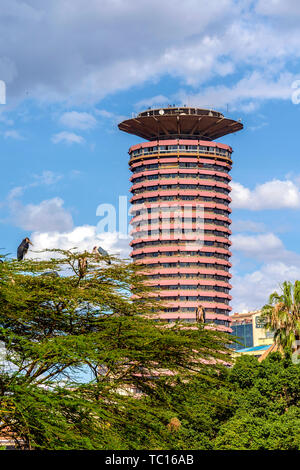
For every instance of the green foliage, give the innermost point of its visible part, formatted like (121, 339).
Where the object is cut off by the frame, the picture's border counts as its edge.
(83, 366)
(282, 315)
(265, 408)
(74, 347)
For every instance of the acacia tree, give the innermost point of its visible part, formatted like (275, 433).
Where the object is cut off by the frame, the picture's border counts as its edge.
(282, 315)
(75, 346)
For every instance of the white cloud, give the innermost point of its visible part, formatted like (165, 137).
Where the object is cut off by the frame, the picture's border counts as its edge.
(263, 247)
(129, 43)
(245, 95)
(4, 119)
(49, 215)
(76, 120)
(13, 134)
(282, 8)
(253, 244)
(83, 238)
(158, 100)
(275, 194)
(251, 291)
(109, 115)
(47, 178)
(247, 226)
(15, 192)
(67, 137)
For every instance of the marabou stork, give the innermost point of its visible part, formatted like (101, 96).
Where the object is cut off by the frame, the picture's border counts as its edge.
(200, 314)
(100, 253)
(23, 248)
(82, 267)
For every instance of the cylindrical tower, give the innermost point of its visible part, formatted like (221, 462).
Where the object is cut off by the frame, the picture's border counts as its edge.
(180, 207)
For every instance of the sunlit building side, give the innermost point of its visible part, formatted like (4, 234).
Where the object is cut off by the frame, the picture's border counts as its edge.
(181, 209)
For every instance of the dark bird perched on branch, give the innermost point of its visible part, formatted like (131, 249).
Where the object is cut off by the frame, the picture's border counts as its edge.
(23, 248)
(99, 252)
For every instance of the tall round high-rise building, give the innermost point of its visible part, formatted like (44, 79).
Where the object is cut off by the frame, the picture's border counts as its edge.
(180, 207)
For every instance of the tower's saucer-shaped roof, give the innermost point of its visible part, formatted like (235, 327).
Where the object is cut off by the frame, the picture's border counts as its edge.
(180, 122)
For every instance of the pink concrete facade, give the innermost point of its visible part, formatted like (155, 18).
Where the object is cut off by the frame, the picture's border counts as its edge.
(181, 225)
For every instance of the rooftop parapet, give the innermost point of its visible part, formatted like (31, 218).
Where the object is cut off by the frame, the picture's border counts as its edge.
(180, 123)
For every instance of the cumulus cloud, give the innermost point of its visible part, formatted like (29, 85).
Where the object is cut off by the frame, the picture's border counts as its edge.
(247, 226)
(256, 244)
(77, 120)
(251, 291)
(46, 178)
(49, 215)
(263, 247)
(158, 100)
(129, 43)
(275, 194)
(13, 134)
(246, 94)
(106, 116)
(72, 64)
(277, 264)
(82, 238)
(282, 8)
(67, 138)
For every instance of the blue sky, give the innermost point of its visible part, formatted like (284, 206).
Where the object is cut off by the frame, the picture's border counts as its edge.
(74, 70)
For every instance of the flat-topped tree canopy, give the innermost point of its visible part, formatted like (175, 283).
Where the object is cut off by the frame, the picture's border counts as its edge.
(180, 122)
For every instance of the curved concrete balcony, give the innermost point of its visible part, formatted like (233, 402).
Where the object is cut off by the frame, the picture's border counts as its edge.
(179, 281)
(203, 146)
(211, 317)
(187, 249)
(181, 171)
(183, 181)
(184, 259)
(180, 239)
(173, 155)
(193, 304)
(180, 163)
(191, 282)
(164, 228)
(188, 270)
(137, 207)
(164, 219)
(177, 213)
(186, 315)
(152, 247)
(191, 293)
(184, 192)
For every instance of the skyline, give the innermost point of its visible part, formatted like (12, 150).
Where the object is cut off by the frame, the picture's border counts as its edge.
(67, 92)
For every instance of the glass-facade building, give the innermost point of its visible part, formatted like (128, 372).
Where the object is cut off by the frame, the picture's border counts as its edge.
(244, 332)
(249, 329)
